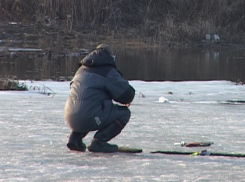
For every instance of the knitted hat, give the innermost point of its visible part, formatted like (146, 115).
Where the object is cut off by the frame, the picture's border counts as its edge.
(106, 47)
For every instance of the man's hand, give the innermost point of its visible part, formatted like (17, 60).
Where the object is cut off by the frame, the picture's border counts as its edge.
(127, 105)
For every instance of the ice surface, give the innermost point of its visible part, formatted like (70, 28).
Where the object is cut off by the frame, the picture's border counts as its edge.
(34, 135)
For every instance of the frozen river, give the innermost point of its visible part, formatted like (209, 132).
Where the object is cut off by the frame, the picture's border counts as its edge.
(34, 135)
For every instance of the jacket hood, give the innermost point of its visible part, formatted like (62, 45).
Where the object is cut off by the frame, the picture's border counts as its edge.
(98, 57)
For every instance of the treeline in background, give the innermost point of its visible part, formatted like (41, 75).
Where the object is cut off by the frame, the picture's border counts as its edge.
(155, 21)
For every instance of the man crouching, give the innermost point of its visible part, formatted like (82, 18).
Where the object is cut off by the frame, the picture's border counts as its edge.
(89, 107)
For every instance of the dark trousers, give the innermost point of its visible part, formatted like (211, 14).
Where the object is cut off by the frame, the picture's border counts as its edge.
(108, 123)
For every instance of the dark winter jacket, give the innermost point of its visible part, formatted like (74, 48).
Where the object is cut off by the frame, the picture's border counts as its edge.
(96, 83)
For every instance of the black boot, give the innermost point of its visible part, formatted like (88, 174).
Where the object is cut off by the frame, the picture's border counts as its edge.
(102, 136)
(99, 146)
(75, 142)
